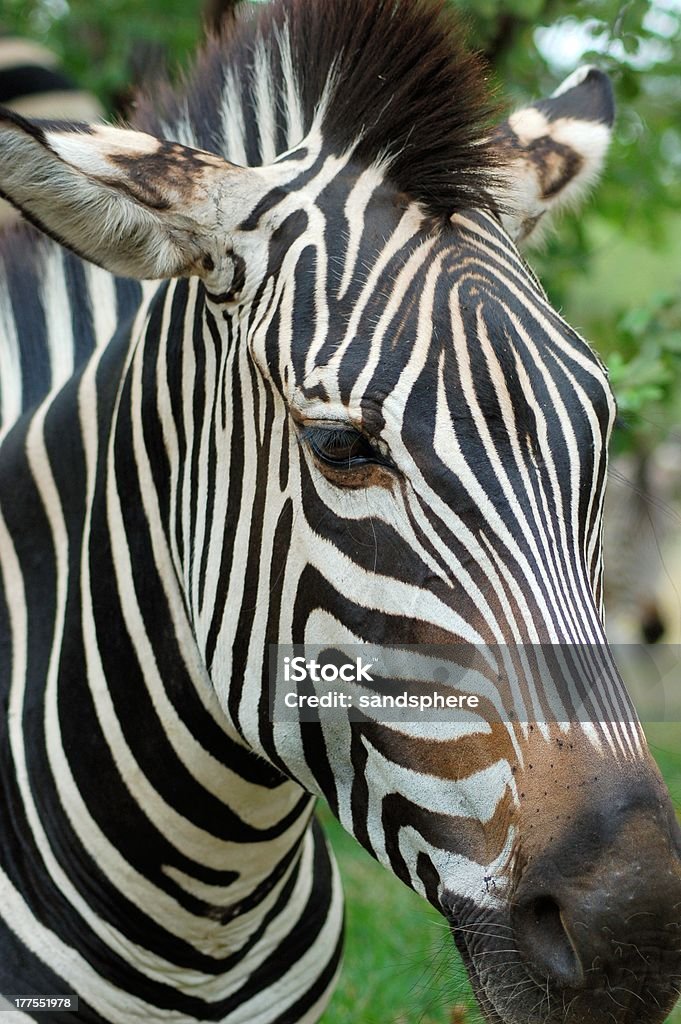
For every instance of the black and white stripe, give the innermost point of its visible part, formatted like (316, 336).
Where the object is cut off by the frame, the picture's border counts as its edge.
(170, 506)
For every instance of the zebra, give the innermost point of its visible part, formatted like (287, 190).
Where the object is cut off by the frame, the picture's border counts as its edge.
(279, 375)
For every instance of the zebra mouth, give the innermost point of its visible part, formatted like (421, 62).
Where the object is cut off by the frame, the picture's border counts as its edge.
(509, 990)
(474, 936)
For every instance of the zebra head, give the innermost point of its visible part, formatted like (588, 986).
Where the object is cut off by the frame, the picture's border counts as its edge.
(366, 423)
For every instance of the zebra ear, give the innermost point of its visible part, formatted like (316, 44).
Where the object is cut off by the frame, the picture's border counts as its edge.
(134, 204)
(555, 149)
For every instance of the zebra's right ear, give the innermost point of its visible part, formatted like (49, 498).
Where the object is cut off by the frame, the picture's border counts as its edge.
(553, 151)
(134, 204)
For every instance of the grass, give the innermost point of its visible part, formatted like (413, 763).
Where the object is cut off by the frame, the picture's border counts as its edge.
(400, 964)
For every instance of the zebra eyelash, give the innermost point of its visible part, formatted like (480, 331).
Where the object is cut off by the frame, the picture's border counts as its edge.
(342, 447)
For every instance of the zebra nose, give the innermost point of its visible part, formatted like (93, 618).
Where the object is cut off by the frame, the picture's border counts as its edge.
(545, 942)
(584, 912)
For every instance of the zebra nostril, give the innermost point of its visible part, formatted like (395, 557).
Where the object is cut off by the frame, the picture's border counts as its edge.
(543, 940)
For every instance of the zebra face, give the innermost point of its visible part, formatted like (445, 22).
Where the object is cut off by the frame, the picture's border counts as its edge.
(438, 410)
(396, 440)
(449, 399)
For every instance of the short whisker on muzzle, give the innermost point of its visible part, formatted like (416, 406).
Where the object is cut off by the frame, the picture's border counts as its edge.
(493, 952)
(628, 991)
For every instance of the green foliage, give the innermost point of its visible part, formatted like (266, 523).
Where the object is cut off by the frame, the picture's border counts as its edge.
(100, 44)
(645, 365)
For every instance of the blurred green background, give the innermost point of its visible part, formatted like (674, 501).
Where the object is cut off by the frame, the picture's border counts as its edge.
(614, 269)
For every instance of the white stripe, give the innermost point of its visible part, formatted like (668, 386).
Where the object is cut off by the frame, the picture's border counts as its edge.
(10, 361)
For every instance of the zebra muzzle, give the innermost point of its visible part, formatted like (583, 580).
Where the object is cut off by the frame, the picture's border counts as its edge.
(602, 902)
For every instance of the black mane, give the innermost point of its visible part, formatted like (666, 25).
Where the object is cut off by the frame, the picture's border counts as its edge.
(405, 92)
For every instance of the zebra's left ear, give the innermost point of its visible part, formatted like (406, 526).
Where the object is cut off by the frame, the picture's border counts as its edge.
(554, 150)
(136, 205)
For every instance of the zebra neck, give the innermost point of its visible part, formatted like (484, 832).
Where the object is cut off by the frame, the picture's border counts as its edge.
(153, 828)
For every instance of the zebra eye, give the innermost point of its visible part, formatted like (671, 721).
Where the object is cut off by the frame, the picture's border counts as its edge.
(342, 447)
